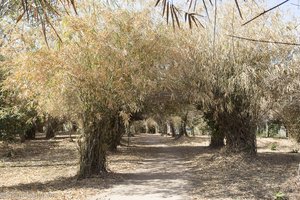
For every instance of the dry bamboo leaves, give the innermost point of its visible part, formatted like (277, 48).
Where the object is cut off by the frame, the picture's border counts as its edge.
(42, 10)
(192, 6)
(170, 11)
(39, 11)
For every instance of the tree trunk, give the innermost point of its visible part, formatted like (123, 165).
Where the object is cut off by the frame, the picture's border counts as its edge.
(267, 129)
(115, 133)
(22, 137)
(51, 126)
(172, 129)
(93, 149)
(183, 125)
(182, 129)
(164, 128)
(39, 125)
(239, 131)
(193, 131)
(217, 136)
(161, 125)
(146, 128)
(241, 140)
(30, 133)
(217, 139)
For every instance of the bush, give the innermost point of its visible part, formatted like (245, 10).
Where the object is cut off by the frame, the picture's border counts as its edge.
(10, 124)
(15, 120)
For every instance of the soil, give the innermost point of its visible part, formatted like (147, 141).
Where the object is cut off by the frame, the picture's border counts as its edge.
(152, 167)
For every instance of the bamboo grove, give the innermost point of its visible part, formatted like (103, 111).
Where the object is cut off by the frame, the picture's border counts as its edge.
(111, 63)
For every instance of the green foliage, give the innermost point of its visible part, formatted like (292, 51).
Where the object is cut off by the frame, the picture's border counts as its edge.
(15, 120)
(273, 146)
(280, 196)
(15, 117)
(10, 124)
(274, 129)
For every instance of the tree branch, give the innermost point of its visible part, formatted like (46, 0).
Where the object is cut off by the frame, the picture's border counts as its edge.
(264, 41)
(266, 11)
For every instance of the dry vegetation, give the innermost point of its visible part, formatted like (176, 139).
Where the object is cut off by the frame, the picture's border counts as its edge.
(153, 167)
(97, 72)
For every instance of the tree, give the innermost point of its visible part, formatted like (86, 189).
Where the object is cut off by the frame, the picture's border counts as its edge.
(282, 90)
(226, 76)
(96, 76)
(16, 117)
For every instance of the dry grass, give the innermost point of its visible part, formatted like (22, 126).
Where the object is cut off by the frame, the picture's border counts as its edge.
(154, 167)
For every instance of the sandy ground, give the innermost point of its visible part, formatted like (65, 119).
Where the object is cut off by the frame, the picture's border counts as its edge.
(153, 167)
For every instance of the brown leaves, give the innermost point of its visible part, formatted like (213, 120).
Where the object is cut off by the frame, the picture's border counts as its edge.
(106, 69)
(20, 17)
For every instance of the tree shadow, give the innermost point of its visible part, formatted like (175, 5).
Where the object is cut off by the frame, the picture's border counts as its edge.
(197, 171)
(64, 183)
(53, 164)
(40, 151)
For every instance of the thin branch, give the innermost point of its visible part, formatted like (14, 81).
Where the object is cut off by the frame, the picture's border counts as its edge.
(238, 7)
(206, 10)
(266, 11)
(294, 4)
(264, 41)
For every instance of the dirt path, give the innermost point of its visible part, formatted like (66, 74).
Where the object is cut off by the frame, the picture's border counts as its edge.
(162, 172)
(154, 168)
(161, 168)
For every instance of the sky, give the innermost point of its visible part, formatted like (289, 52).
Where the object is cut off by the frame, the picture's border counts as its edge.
(290, 6)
